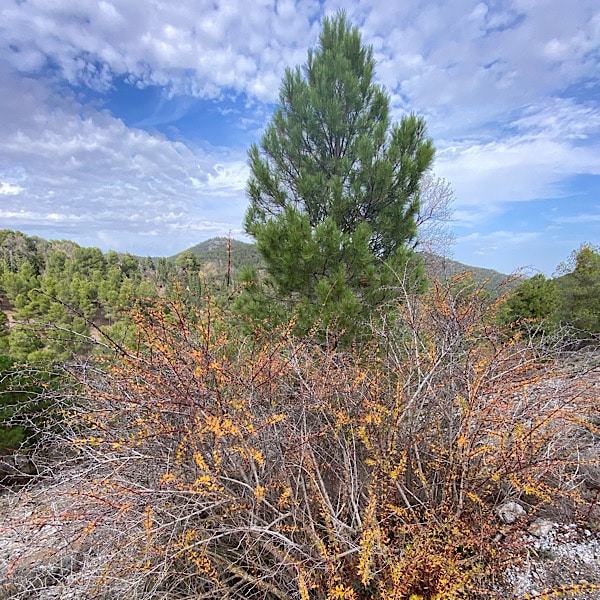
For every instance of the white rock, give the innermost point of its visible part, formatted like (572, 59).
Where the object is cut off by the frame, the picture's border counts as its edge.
(510, 512)
(541, 527)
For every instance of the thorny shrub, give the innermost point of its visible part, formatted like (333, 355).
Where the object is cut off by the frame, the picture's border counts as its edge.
(213, 465)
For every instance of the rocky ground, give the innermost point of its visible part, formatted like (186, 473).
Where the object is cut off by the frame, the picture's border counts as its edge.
(42, 556)
(40, 560)
(556, 557)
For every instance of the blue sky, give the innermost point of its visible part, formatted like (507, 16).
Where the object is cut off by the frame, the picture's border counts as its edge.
(124, 124)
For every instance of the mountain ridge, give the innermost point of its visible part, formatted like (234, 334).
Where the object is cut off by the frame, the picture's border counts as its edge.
(214, 251)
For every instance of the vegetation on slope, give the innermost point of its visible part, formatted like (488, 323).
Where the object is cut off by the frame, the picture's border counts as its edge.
(570, 300)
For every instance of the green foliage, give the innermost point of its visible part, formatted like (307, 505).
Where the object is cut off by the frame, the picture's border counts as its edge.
(571, 299)
(4, 332)
(162, 271)
(187, 261)
(21, 281)
(16, 248)
(10, 435)
(88, 261)
(534, 300)
(334, 186)
(214, 253)
(58, 290)
(23, 410)
(23, 342)
(580, 291)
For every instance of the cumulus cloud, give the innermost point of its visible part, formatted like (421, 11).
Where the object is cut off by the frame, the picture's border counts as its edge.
(196, 47)
(509, 91)
(549, 142)
(82, 173)
(9, 189)
(467, 59)
(519, 168)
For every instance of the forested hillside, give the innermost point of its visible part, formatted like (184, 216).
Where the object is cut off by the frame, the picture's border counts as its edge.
(56, 297)
(54, 293)
(571, 300)
(222, 253)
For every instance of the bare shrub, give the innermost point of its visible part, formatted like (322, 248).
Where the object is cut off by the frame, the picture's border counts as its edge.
(211, 465)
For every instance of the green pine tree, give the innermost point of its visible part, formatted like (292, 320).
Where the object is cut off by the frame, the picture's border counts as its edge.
(535, 300)
(334, 187)
(580, 291)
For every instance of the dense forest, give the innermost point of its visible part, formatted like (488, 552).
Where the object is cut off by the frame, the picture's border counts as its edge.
(58, 299)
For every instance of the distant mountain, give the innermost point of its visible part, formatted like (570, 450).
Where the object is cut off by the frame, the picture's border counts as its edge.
(213, 252)
(443, 268)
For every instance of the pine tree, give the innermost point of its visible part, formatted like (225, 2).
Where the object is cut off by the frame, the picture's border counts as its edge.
(580, 291)
(334, 185)
(533, 305)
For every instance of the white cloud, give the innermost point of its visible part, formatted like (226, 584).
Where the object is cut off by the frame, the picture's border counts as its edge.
(560, 118)
(496, 239)
(190, 46)
(84, 174)
(227, 178)
(517, 169)
(584, 218)
(10, 189)
(437, 53)
(547, 143)
(464, 64)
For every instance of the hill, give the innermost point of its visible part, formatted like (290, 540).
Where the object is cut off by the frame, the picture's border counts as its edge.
(214, 253)
(443, 268)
